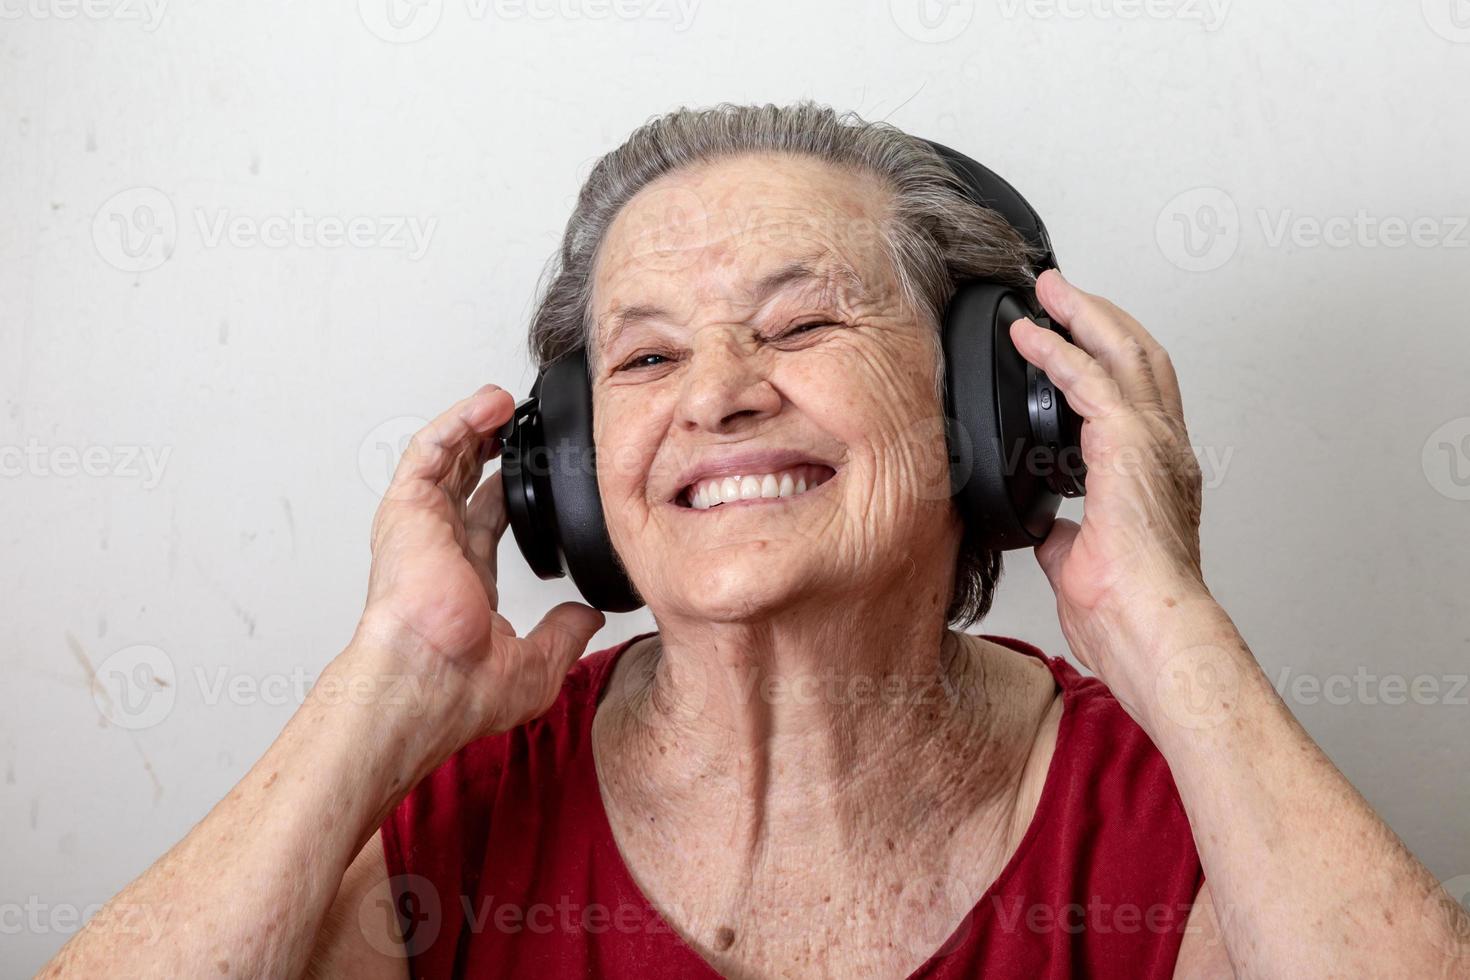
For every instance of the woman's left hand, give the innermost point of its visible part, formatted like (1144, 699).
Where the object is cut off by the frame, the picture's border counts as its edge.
(1135, 609)
(1135, 556)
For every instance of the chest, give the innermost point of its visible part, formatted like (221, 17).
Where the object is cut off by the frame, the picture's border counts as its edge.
(784, 907)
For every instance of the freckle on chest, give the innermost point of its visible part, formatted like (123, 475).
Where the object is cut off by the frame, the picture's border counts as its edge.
(724, 938)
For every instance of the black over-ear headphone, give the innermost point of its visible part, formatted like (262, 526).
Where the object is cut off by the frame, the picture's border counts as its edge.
(1013, 441)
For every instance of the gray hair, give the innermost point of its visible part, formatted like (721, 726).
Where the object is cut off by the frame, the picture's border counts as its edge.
(934, 235)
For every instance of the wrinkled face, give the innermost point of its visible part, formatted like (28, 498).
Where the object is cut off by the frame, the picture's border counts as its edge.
(768, 432)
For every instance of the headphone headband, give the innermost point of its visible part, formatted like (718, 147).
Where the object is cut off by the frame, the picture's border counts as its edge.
(990, 190)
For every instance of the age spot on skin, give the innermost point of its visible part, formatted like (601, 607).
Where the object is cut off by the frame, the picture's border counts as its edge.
(724, 938)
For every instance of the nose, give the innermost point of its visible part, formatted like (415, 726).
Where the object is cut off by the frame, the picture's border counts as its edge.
(726, 386)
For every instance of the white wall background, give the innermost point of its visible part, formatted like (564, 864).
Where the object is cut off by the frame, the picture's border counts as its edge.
(265, 382)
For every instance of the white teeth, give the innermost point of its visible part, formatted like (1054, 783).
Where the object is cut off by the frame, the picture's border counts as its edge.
(728, 489)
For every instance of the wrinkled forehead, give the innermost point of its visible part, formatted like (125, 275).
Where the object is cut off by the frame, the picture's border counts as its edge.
(728, 237)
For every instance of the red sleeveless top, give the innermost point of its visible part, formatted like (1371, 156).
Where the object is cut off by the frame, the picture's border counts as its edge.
(503, 862)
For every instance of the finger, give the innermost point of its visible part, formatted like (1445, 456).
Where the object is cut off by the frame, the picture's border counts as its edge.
(564, 632)
(1091, 391)
(1160, 363)
(450, 445)
(485, 523)
(1052, 553)
(469, 462)
(1109, 334)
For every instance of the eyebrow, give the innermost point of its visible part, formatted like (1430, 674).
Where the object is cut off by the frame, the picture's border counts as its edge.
(797, 272)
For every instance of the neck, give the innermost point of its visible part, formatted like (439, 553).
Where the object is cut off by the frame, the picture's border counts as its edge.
(868, 725)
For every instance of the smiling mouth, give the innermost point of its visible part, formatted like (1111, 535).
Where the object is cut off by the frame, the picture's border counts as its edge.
(754, 488)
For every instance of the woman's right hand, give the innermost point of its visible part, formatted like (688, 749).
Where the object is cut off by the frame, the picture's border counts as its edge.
(433, 604)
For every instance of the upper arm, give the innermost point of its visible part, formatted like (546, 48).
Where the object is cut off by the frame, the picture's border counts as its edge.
(1202, 955)
(360, 936)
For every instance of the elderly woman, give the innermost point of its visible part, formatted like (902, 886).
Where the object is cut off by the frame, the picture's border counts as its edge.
(810, 769)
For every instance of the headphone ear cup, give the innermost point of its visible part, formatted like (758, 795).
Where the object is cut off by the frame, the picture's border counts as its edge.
(523, 478)
(996, 471)
(581, 525)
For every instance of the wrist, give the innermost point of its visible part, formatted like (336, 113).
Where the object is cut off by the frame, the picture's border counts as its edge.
(1170, 653)
(1195, 676)
(404, 699)
(1162, 606)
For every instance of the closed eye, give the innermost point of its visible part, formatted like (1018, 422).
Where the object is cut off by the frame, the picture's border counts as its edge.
(808, 327)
